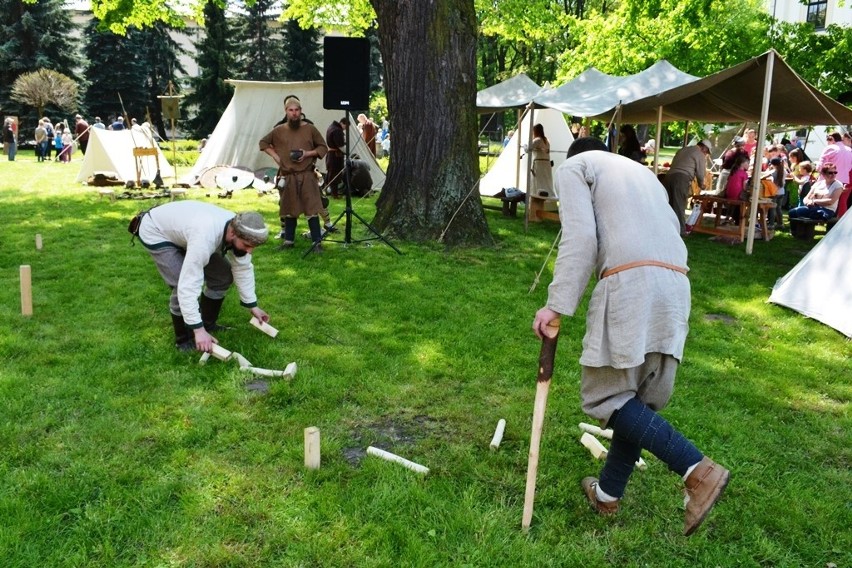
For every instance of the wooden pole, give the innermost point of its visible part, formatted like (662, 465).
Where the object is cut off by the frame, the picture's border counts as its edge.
(26, 290)
(312, 448)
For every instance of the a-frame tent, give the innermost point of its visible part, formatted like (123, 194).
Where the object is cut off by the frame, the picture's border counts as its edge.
(255, 108)
(820, 286)
(112, 151)
(510, 168)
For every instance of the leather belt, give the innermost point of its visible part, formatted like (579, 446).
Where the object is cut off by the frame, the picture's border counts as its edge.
(639, 263)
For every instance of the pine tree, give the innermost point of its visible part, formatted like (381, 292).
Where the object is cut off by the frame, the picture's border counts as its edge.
(215, 60)
(303, 55)
(34, 36)
(260, 44)
(162, 62)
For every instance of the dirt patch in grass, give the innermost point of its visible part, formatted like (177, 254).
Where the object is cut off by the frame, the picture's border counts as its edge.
(389, 433)
(722, 318)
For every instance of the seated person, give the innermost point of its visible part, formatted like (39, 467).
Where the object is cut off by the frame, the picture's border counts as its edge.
(821, 201)
(803, 175)
(359, 176)
(736, 184)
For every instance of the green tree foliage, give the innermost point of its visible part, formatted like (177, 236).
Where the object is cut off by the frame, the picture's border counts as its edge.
(45, 87)
(133, 69)
(697, 36)
(302, 54)
(32, 37)
(260, 43)
(822, 58)
(211, 94)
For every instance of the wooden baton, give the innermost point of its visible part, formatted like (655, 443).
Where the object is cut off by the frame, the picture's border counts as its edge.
(545, 372)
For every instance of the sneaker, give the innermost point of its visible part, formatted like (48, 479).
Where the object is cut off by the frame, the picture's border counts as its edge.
(702, 489)
(286, 245)
(590, 485)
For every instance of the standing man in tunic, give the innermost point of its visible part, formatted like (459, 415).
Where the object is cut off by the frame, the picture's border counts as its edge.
(690, 163)
(636, 321)
(295, 147)
(335, 136)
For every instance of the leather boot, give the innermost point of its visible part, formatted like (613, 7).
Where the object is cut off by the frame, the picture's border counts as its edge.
(603, 508)
(210, 309)
(184, 338)
(703, 488)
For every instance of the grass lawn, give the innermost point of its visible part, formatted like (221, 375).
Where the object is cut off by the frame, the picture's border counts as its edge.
(116, 450)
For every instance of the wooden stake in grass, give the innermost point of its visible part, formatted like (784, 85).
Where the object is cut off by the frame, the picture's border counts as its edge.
(38, 242)
(312, 447)
(498, 434)
(26, 290)
(380, 453)
(592, 429)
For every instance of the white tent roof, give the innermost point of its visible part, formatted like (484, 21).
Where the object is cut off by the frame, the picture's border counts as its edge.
(112, 151)
(820, 286)
(593, 92)
(254, 110)
(516, 92)
(508, 170)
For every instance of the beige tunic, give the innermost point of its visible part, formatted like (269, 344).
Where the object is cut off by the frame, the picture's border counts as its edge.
(542, 170)
(302, 194)
(619, 214)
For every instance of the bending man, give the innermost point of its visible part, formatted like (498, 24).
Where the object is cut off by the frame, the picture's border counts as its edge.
(620, 227)
(198, 245)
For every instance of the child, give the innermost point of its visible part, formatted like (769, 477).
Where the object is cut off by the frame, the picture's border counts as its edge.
(804, 179)
(737, 181)
(778, 173)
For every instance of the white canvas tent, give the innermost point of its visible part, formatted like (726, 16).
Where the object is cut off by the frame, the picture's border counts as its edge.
(820, 286)
(512, 93)
(510, 171)
(112, 151)
(253, 111)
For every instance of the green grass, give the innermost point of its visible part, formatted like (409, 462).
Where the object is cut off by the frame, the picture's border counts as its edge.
(116, 450)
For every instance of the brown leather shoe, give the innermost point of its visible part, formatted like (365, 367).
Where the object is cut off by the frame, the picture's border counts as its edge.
(703, 488)
(589, 484)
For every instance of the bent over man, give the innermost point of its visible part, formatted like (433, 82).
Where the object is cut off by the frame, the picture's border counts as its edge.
(620, 227)
(295, 146)
(199, 246)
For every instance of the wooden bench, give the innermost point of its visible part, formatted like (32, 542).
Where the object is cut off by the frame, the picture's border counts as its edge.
(106, 193)
(805, 229)
(719, 207)
(509, 205)
(542, 208)
(175, 193)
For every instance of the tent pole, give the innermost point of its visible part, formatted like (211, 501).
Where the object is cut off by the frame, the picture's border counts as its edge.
(685, 135)
(529, 165)
(659, 140)
(518, 150)
(758, 154)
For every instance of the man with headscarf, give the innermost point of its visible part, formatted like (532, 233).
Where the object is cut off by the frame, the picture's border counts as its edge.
(295, 146)
(689, 163)
(636, 320)
(200, 250)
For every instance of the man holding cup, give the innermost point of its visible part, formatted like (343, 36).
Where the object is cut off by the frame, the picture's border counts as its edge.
(295, 146)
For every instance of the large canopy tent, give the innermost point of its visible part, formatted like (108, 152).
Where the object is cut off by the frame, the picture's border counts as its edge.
(512, 93)
(596, 94)
(820, 286)
(253, 111)
(113, 151)
(763, 89)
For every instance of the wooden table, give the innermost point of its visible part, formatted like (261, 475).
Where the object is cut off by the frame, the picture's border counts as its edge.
(715, 208)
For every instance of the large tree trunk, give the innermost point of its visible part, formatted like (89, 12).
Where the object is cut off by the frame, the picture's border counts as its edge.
(429, 53)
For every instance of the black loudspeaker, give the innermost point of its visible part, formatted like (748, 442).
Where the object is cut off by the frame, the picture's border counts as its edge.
(346, 73)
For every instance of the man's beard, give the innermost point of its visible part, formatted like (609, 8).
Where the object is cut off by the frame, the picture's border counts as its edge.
(238, 252)
(294, 123)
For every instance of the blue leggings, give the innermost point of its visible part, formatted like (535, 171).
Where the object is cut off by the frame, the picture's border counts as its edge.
(637, 427)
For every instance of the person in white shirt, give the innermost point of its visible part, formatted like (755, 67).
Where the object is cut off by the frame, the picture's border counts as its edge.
(200, 250)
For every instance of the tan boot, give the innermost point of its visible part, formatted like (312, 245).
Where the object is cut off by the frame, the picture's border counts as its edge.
(703, 488)
(589, 485)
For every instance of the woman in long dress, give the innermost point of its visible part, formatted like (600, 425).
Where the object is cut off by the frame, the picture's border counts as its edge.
(542, 168)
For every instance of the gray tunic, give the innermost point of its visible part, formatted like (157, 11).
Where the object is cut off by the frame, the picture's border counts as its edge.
(619, 214)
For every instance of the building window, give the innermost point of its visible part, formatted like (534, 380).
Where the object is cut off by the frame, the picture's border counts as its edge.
(816, 13)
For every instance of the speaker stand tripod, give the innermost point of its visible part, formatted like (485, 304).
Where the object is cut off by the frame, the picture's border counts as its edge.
(348, 212)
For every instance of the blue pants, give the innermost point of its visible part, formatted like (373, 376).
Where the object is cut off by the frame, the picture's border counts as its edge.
(805, 212)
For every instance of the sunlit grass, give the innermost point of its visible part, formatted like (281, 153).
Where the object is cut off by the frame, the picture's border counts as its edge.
(119, 451)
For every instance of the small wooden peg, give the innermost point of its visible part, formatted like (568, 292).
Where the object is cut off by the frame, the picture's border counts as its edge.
(312, 447)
